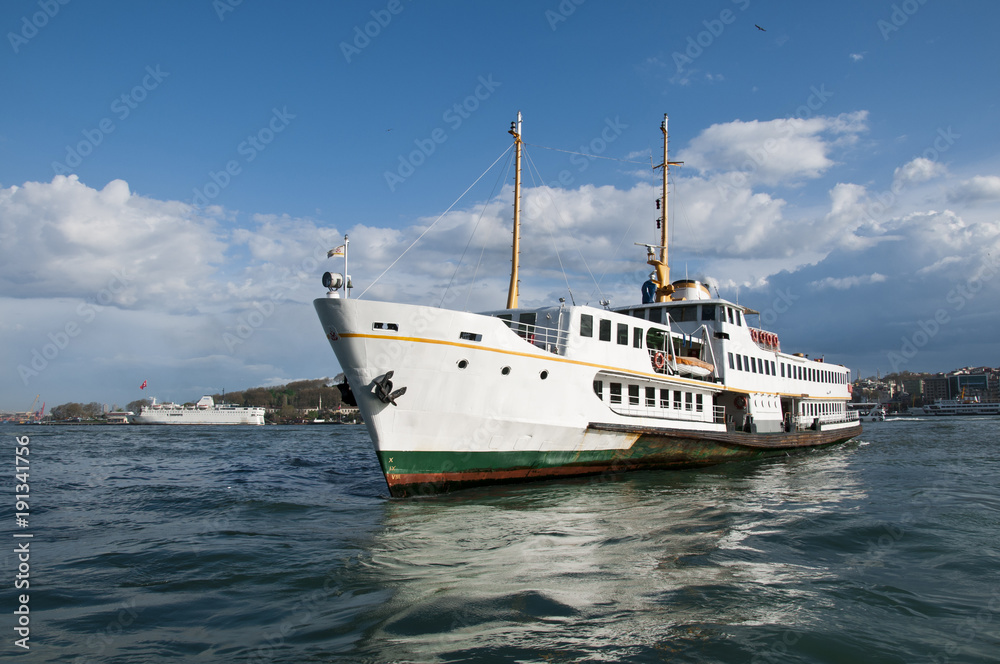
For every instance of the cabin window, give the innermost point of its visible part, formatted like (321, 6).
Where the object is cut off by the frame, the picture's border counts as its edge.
(599, 389)
(637, 337)
(729, 314)
(586, 325)
(664, 398)
(739, 318)
(677, 399)
(782, 369)
(385, 326)
(656, 339)
(470, 336)
(633, 395)
(698, 405)
(688, 406)
(772, 368)
(708, 312)
(616, 392)
(655, 315)
(638, 313)
(605, 331)
(684, 313)
(739, 363)
(732, 363)
(622, 334)
(650, 397)
(753, 364)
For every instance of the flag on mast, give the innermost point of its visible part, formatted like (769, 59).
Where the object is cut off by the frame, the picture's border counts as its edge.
(339, 251)
(143, 386)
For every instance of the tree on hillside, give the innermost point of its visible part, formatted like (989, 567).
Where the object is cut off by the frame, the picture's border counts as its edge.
(136, 406)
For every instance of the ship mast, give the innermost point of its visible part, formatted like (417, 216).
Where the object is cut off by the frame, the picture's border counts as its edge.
(661, 263)
(512, 292)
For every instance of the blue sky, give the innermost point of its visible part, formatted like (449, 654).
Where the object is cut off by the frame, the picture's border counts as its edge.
(171, 174)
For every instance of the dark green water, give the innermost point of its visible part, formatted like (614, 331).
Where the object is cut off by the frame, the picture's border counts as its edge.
(279, 544)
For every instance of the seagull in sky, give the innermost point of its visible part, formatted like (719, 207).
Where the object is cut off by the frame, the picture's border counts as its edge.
(759, 28)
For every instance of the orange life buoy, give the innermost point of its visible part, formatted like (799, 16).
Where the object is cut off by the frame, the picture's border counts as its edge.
(658, 360)
(740, 402)
(753, 334)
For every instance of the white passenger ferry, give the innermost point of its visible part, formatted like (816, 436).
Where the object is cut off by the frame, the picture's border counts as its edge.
(963, 406)
(454, 399)
(206, 411)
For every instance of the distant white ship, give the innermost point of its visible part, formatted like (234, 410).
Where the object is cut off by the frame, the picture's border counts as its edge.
(206, 411)
(965, 406)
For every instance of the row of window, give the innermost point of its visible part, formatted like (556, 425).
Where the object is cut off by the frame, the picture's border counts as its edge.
(815, 375)
(604, 331)
(822, 408)
(655, 338)
(638, 395)
(768, 368)
(690, 312)
(751, 364)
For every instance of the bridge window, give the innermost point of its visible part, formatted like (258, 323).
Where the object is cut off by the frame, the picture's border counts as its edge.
(637, 337)
(622, 334)
(586, 325)
(605, 330)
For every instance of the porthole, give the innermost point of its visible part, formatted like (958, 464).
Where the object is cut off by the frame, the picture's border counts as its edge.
(544, 374)
(505, 371)
(462, 364)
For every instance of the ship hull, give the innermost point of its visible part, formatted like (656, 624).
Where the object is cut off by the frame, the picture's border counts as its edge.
(422, 473)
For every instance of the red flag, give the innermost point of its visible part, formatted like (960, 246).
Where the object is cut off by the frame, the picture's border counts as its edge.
(143, 386)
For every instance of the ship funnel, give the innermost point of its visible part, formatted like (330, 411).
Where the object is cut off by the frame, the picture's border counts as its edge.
(689, 289)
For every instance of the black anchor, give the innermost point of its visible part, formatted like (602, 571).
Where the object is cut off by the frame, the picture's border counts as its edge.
(384, 392)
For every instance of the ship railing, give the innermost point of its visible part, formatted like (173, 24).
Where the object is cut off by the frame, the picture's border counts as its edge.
(689, 413)
(807, 422)
(547, 338)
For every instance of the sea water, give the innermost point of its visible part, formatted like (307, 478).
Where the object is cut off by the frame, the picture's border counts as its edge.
(280, 544)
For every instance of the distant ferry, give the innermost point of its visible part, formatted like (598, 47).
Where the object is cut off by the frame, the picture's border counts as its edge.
(206, 411)
(455, 399)
(962, 407)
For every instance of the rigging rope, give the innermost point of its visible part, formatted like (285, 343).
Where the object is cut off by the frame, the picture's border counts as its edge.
(486, 240)
(583, 154)
(555, 247)
(458, 266)
(441, 216)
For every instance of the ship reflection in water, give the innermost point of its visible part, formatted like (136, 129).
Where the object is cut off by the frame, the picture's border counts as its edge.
(639, 565)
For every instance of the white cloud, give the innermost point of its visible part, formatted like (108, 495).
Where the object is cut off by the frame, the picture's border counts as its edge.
(66, 239)
(857, 57)
(844, 283)
(979, 189)
(773, 152)
(916, 171)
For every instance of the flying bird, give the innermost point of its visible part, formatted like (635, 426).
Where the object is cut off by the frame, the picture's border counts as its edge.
(759, 28)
